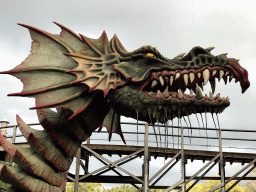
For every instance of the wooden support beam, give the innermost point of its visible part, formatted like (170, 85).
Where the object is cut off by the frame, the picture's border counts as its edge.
(111, 163)
(249, 171)
(163, 174)
(232, 178)
(200, 178)
(14, 134)
(78, 155)
(84, 167)
(146, 161)
(166, 165)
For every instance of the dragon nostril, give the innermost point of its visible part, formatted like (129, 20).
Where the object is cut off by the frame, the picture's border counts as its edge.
(203, 61)
(209, 60)
(197, 61)
(192, 64)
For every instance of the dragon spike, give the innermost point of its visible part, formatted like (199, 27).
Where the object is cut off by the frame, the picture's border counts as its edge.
(210, 48)
(179, 57)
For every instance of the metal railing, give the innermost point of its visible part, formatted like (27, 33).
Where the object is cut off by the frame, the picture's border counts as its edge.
(169, 138)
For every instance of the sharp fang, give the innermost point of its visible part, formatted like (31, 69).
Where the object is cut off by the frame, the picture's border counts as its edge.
(211, 96)
(150, 94)
(161, 79)
(180, 94)
(212, 82)
(214, 72)
(227, 73)
(192, 77)
(171, 80)
(174, 95)
(186, 79)
(221, 74)
(158, 92)
(166, 92)
(166, 79)
(206, 75)
(154, 83)
(219, 98)
(191, 93)
(199, 94)
(177, 75)
(199, 75)
(230, 78)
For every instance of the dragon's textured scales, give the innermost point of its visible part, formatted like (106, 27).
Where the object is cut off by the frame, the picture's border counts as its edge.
(91, 83)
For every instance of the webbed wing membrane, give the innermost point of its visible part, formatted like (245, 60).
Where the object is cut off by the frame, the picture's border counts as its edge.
(68, 70)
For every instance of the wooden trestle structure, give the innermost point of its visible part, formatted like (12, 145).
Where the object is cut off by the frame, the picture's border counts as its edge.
(213, 158)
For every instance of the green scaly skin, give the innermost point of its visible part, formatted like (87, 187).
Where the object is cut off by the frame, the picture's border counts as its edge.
(92, 82)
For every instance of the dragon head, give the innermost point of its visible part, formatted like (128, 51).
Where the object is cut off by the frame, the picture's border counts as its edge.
(99, 80)
(155, 85)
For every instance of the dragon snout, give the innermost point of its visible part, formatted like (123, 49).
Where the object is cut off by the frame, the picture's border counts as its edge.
(240, 72)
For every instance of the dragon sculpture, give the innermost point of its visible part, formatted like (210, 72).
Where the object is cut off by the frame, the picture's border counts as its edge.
(91, 83)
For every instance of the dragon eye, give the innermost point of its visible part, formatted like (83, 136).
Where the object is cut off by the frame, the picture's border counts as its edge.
(151, 55)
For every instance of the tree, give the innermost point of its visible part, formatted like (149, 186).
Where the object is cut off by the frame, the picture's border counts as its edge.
(251, 185)
(205, 186)
(90, 187)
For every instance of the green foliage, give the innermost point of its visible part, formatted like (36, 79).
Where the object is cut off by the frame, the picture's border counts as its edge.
(250, 186)
(200, 187)
(90, 187)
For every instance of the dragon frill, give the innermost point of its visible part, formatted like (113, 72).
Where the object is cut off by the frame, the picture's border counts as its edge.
(91, 83)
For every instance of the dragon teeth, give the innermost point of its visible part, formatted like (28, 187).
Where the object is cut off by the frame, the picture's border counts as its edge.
(214, 72)
(180, 94)
(206, 75)
(177, 75)
(227, 73)
(212, 82)
(199, 94)
(191, 93)
(199, 75)
(186, 79)
(221, 74)
(166, 92)
(150, 94)
(171, 80)
(192, 77)
(174, 95)
(231, 77)
(158, 92)
(161, 79)
(219, 98)
(154, 83)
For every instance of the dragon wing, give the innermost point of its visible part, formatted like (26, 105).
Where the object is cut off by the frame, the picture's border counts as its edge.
(69, 71)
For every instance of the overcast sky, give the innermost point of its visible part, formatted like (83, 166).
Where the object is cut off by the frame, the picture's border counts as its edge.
(172, 27)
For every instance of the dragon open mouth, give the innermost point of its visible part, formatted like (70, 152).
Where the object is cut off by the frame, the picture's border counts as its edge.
(172, 84)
